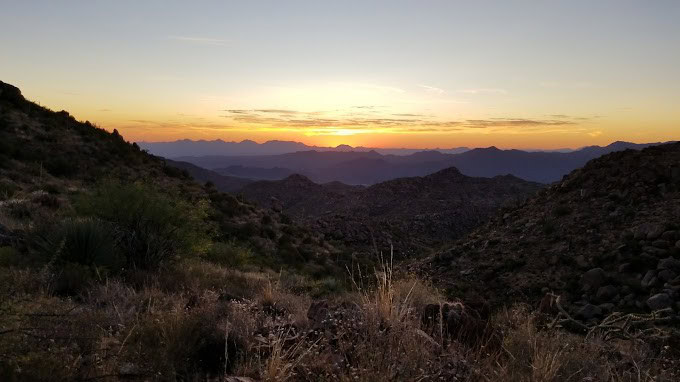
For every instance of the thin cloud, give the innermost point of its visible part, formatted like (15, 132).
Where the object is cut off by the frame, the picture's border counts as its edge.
(200, 40)
(433, 89)
(319, 122)
(483, 91)
(515, 122)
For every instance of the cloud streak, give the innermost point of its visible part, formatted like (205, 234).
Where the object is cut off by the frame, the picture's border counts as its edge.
(483, 91)
(433, 89)
(200, 40)
(320, 122)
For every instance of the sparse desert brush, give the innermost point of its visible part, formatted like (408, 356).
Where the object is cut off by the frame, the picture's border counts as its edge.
(389, 299)
(153, 227)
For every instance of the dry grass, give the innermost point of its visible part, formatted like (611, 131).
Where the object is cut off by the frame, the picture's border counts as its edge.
(199, 321)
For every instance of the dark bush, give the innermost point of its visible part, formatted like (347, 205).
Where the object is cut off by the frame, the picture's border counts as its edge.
(60, 167)
(175, 172)
(87, 242)
(152, 227)
(7, 190)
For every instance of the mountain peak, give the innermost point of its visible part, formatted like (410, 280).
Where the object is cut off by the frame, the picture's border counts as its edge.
(344, 147)
(297, 178)
(449, 172)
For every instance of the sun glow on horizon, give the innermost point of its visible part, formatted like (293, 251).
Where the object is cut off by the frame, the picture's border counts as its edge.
(461, 74)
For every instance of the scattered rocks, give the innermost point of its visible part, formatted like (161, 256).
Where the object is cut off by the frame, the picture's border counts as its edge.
(615, 249)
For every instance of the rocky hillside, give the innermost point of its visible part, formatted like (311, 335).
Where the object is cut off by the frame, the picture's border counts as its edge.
(223, 183)
(413, 214)
(49, 160)
(606, 238)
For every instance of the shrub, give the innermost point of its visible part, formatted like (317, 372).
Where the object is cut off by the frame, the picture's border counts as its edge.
(7, 190)
(9, 256)
(152, 227)
(175, 172)
(60, 166)
(17, 208)
(88, 242)
(562, 210)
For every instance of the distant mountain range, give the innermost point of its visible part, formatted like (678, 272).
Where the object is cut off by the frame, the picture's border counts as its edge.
(370, 167)
(187, 147)
(413, 214)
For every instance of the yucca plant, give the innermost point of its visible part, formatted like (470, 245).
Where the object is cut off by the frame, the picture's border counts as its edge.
(87, 242)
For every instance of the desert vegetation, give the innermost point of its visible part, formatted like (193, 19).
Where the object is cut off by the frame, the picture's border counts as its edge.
(115, 267)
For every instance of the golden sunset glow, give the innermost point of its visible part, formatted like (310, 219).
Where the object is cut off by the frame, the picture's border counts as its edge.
(452, 81)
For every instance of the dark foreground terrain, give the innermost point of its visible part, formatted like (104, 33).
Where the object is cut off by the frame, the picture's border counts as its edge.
(116, 266)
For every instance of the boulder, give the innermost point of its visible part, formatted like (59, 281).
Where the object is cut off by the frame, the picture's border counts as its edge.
(659, 301)
(589, 311)
(593, 279)
(606, 293)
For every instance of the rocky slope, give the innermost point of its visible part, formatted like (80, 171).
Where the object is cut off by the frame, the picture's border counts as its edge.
(412, 214)
(48, 159)
(606, 238)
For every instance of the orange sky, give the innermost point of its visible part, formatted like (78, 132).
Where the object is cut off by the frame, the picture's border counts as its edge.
(412, 74)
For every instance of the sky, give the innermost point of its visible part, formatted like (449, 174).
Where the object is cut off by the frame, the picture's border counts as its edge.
(419, 74)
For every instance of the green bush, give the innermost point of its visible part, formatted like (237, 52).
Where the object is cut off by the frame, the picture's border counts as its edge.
(229, 254)
(151, 227)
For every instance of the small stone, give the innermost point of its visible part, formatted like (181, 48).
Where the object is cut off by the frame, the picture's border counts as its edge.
(669, 263)
(659, 301)
(607, 307)
(663, 244)
(654, 251)
(624, 268)
(655, 231)
(606, 293)
(666, 275)
(649, 280)
(589, 311)
(581, 261)
(669, 236)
